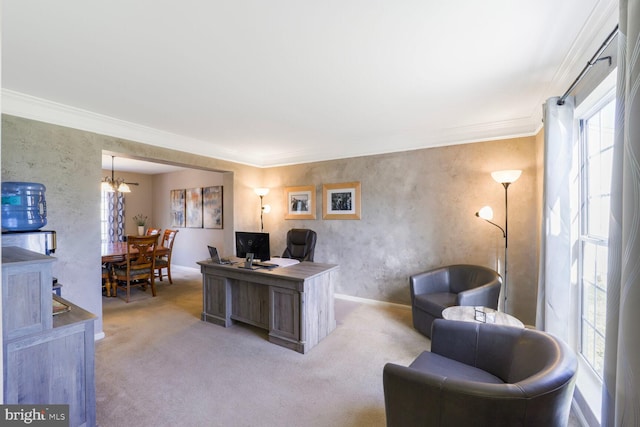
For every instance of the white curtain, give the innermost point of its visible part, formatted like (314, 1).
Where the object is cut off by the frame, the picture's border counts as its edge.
(116, 216)
(621, 391)
(554, 276)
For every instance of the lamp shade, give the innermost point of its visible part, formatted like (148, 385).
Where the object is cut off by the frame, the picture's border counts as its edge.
(485, 213)
(124, 188)
(506, 176)
(106, 186)
(262, 191)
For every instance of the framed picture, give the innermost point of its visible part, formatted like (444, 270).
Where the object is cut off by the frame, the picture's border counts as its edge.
(341, 201)
(212, 206)
(300, 202)
(194, 207)
(177, 199)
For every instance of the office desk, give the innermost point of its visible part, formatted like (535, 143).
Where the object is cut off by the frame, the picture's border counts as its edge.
(295, 304)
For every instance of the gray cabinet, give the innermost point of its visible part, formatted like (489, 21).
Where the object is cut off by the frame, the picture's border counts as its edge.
(47, 359)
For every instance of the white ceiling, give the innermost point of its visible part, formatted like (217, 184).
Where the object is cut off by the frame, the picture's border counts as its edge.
(290, 81)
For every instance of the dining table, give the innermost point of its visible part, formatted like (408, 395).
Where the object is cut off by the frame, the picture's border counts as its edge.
(114, 252)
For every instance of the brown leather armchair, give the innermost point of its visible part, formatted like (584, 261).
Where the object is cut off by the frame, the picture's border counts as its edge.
(481, 374)
(301, 244)
(462, 284)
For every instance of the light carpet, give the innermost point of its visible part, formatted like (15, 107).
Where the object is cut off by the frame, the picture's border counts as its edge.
(160, 365)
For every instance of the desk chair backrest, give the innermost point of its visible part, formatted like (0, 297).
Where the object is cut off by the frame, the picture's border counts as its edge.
(301, 244)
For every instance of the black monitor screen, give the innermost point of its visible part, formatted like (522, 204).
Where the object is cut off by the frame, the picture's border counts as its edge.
(256, 243)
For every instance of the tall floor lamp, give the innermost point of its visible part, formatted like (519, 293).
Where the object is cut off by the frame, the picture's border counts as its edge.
(506, 178)
(263, 208)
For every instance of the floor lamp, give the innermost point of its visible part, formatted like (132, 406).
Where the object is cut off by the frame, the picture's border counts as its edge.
(506, 178)
(263, 208)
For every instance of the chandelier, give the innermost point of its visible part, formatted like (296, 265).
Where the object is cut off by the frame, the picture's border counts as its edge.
(111, 185)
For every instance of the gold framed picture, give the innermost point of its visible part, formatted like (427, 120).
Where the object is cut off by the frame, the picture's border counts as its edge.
(341, 201)
(300, 202)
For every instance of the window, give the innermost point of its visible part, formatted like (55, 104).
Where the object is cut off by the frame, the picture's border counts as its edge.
(105, 213)
(111, 217)
(597, 134)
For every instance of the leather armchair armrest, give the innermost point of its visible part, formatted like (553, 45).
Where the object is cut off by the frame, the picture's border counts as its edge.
(485, 295)
(429, 282)
(410, 396)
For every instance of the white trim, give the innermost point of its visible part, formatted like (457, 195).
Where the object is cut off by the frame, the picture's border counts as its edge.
(98, 336)
(577, 410)
(598, 98)
(372, 301)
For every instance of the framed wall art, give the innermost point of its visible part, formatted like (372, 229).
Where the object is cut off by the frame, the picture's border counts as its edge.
(300, 202)
(177, 201)
(194, 207)
(212, 206)
(341, 201)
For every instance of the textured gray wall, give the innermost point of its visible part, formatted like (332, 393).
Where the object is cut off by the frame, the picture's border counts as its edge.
(69, 162)
(418, 212)
(417, 208)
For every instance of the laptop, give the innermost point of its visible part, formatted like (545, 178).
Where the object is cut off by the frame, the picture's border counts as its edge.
(215, 257)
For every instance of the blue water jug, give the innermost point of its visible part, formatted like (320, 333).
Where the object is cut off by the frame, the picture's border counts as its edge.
(23, 206)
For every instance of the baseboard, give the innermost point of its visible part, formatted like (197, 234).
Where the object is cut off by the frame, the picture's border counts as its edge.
(372, 301)
(343, 296)
(582, 411)
(98, 336)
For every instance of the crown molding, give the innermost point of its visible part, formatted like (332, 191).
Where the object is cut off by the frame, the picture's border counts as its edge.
(34, 108)
(601, 22)
(30, 107)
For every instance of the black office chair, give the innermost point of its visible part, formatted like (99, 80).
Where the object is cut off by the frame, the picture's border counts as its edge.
(301, 244)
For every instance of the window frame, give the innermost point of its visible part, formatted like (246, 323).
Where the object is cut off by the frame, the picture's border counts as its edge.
(586, 237)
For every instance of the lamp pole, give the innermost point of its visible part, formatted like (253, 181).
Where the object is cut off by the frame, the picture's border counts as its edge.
(506, 243)
(505, 178)
(263, 208)
(261, 213)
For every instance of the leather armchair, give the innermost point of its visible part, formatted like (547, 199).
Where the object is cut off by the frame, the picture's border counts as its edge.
(462, 284)
(301, 244)
(479, 374)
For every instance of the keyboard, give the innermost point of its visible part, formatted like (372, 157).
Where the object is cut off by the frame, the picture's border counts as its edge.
(264, 264)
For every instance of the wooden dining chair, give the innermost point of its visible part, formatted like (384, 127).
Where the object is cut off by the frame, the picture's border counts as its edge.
(138, 267)
(152, 231)
(164, 261)
(106, 278)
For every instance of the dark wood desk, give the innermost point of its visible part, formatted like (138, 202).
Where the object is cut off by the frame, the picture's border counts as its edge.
(295, 304)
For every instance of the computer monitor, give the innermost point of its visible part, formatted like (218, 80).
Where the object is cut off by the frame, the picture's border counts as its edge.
(256, 243)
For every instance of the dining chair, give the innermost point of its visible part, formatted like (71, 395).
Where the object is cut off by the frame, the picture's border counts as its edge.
(164, 261)
(152, 231)
(106, 278)
(138, 267)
